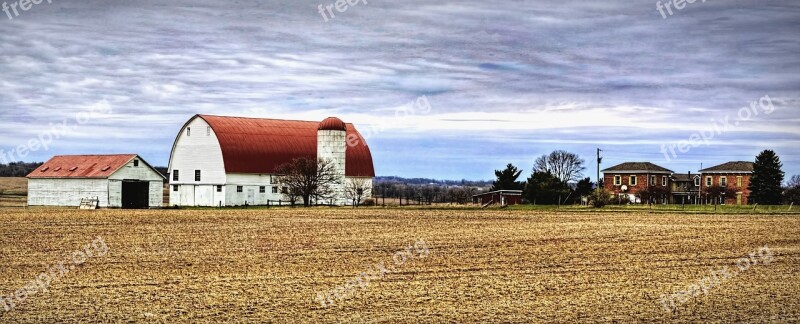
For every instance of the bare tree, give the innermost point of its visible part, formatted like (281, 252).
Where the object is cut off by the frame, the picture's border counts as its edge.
(309, 179)
(562, 164)
(794, 182)
(356, 189)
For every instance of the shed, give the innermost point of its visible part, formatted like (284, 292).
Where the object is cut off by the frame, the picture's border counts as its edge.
(502, 197)
(116, 181)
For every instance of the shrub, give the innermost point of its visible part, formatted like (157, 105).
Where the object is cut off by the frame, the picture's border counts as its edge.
(600, 198)
(369, 202)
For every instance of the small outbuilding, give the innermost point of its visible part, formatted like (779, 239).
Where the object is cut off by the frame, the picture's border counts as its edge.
(502, 197)
(115, 181)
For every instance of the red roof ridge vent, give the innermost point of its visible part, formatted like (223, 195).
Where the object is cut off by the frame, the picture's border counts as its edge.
(72, 169)
(45, 169)
(332, 123)
(104, 169)
(57, 169)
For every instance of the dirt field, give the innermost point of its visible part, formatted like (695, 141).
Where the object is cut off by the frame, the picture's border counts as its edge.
(420, 266)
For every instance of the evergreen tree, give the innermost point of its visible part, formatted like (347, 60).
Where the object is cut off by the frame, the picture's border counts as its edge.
(543, 188)
(767, 178)
(584, 187)
(507, 179)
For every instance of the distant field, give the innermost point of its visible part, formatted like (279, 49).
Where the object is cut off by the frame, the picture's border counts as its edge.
(499, 265)
(13, 192)
(14, 186)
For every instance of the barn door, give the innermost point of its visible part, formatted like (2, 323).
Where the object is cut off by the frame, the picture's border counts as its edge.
(251, 197)
(135, 194)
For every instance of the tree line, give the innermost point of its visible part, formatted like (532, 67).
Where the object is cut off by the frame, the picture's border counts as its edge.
(18, 169)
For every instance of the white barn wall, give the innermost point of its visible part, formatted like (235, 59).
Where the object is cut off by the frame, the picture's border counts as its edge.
(66, 192)
(198, 151)
(251, 182)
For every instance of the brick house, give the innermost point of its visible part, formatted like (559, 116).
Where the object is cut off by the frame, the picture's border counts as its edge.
(732, 174)
(626, 180)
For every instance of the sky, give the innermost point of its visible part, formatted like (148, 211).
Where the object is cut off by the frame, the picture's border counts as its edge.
(440, 89)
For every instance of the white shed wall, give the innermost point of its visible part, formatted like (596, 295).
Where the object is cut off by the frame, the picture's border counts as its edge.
(66, 192)
(142, 172)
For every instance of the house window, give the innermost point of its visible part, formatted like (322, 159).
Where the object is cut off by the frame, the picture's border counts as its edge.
(262, 189)
(632, 181)
(175, 188)
(664, 181)
(284, 190)
(739, 182)
(196, 175)
(136, 163)
(219, 188)
(652, 180)
(617, 180)
(188, 131)
(239, 189)
(723, 181)
(709, 182)
(696, 181)
(274, 190)
(175, 175)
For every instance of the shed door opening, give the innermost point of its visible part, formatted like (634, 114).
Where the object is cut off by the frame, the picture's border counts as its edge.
(135, 194)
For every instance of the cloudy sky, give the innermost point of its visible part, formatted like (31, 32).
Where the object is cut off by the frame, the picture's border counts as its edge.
(506, 80)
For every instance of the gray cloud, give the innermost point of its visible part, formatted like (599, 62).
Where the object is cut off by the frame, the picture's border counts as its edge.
(548, 62)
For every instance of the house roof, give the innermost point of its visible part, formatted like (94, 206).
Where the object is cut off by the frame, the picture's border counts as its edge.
(638, 167)
(731, 167)
(683, 177)
(82, 166)
(260, 145)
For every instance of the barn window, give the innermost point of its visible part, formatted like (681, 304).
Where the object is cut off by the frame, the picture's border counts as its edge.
(262, 189)
(175, 175)
(664, 181)
(208, 131)
(617, 180)
(196, 175)
(219, 188)
(175, 188)
(136, 163)
(632, 181)
(188, 131)
(239, 188)
(275, 190)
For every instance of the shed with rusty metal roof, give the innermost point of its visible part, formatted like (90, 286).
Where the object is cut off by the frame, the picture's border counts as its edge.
(115, 181)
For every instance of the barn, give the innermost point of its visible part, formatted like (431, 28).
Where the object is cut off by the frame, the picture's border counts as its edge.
(116, 181)
(231, 161)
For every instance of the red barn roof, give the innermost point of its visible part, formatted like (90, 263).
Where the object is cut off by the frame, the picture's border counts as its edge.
(260, 145)
(82, 166)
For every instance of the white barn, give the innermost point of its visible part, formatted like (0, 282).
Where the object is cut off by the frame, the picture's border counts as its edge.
(231, 161)
(116, 181)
